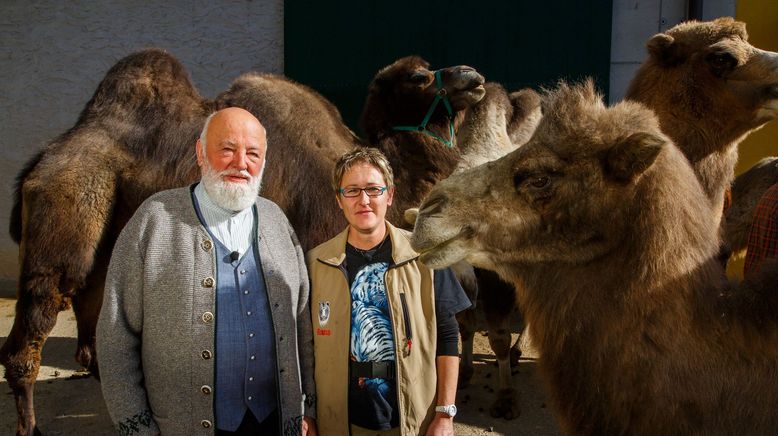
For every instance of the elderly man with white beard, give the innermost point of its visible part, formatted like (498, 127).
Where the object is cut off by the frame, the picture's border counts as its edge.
(205, 326)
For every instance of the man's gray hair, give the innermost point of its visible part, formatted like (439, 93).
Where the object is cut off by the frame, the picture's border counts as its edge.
(204, 132)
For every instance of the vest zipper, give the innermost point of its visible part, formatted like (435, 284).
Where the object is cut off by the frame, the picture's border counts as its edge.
(408, 331)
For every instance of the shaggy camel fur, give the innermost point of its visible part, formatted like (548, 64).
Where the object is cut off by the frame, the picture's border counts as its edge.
(747, 189)
(136, 137)
(603, 222)
(710, 88)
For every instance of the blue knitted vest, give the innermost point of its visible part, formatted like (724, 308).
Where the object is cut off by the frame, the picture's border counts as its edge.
(245, 341)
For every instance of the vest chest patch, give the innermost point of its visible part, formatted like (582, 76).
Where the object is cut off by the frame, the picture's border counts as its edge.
(324, 313)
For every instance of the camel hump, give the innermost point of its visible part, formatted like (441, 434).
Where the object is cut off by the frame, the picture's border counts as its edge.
(147, 79)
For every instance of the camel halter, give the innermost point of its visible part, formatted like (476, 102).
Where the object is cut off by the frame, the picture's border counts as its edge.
(441, 95)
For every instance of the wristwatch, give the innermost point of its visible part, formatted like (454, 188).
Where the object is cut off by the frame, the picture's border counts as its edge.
(450, 410)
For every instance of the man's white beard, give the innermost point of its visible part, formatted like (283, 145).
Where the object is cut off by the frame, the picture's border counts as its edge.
(233, 196)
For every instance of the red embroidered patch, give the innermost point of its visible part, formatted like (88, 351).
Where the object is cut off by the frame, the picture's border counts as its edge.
(323, 332)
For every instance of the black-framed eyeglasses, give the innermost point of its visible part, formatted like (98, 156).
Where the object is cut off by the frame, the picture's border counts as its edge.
(371, 191)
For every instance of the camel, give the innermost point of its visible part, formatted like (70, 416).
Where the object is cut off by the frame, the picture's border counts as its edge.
(611, 239)
(747, 189)
(136, 137)
(710, 88)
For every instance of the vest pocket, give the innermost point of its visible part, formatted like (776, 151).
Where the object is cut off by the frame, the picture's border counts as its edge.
(408, 332)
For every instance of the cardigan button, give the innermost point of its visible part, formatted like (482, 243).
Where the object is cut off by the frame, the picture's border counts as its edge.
(207, 245)
(208, 282)
(207, 317)
(206, 390)
(205, 423)
(206, 354)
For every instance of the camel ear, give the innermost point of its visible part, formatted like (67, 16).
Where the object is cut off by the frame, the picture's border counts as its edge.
(410, 215)
(664, 50)
(631, 157)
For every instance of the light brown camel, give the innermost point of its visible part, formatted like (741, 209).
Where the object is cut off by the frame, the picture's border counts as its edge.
(710, 88)
(604, 224)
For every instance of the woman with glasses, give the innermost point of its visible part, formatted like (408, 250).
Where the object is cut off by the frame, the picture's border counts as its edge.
(385, 336)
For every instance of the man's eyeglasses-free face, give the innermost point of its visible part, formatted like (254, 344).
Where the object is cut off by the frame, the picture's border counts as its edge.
(371, 191)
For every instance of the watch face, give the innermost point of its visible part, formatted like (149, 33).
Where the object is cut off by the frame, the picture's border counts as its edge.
(452, 410)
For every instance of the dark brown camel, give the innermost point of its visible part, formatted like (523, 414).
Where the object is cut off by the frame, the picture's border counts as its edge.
(136, 137)
(605, 225)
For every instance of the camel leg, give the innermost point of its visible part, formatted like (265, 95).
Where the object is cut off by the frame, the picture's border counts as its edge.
(499, 299)
(467, 326)
(86, 306)
(36, 314)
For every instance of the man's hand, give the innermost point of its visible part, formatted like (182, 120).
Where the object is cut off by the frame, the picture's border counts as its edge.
(308, 426)
(442, 425)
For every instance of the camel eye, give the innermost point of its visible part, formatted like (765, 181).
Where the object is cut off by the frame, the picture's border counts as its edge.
(539, 182)
(418, 78)
(721, 62)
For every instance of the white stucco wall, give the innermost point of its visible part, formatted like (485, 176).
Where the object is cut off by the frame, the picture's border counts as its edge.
(54, 53)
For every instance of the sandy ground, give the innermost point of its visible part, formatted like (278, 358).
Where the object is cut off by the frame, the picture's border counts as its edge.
(68, 402)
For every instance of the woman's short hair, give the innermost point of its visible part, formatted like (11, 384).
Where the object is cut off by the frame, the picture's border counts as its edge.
(368, 155)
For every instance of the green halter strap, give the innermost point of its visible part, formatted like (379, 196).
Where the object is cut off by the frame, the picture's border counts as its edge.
(441, 95)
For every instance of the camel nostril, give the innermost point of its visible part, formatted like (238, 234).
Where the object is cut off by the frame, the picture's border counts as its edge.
(464, 69)
(433, 205)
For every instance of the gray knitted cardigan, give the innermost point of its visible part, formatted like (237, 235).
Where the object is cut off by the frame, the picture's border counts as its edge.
(156, 332)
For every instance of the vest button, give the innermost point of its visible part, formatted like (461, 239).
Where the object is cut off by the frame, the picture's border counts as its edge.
(207, 245)
(208, 282)
(205, 423)
(206, 390)
(206, 354)
(207, 317)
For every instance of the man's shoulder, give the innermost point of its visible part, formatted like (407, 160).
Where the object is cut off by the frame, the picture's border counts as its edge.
(164, 200)
(163, 208)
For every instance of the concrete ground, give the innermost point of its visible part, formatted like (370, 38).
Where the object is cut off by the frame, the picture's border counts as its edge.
(68, 402)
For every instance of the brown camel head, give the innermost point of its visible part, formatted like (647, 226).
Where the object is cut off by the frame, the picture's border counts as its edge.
(402, 93)
(572, 194)
(708, 85)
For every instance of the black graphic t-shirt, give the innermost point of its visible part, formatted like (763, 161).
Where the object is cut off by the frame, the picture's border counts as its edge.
(373, 401)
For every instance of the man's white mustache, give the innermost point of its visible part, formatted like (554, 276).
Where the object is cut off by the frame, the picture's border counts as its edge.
(234, 172)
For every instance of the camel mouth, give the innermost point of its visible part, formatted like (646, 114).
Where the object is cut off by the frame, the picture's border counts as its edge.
(442, 254)
(477, 93)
